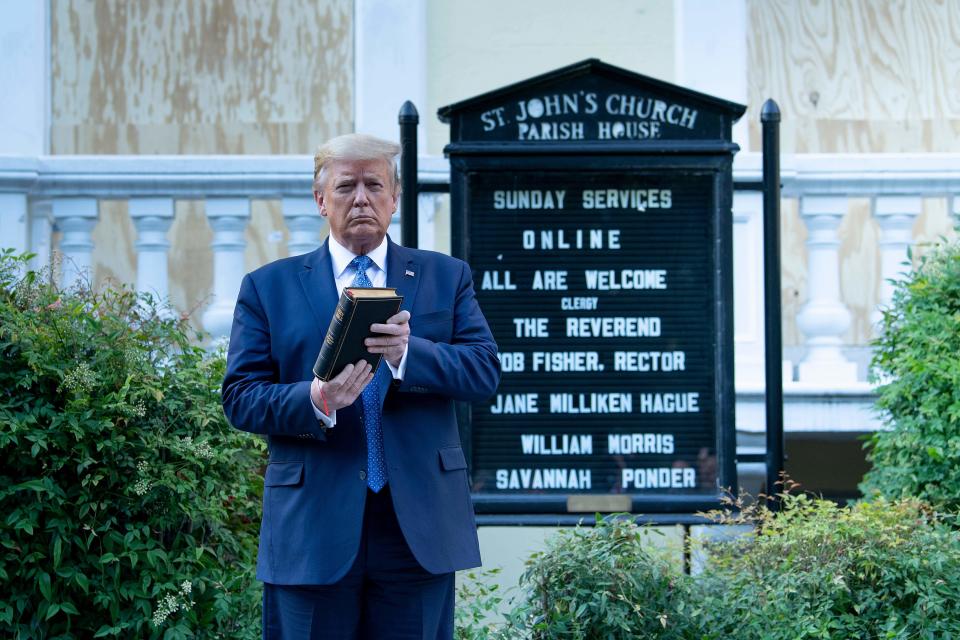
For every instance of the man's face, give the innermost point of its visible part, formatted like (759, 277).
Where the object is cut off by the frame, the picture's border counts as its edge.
(358, 199)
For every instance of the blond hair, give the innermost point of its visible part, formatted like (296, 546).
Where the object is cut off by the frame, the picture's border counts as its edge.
(355, 146)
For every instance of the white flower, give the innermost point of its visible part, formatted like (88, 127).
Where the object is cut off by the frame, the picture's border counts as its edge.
(143, 483)
(199, 449)
(80, 379)
(139, 409)
(170, 604)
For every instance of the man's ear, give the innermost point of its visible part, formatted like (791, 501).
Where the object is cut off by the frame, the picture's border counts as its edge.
(318, 198)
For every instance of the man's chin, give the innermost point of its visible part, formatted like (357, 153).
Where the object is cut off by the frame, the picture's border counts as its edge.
(366, 235)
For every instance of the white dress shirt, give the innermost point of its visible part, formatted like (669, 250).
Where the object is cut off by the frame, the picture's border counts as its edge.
(344, 274)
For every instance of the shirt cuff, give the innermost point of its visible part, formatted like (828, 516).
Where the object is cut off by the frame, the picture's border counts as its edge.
(401, 368)
(329, 421)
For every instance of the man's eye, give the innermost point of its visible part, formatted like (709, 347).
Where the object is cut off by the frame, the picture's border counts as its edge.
(344, 188)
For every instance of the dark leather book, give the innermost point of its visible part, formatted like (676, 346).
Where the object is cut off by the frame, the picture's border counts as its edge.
(358, 308)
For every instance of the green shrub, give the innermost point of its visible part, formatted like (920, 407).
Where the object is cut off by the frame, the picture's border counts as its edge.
(882, 569)
(602, 582)
(129, 505)
(483, 608)
(815, 570)
(917, 356)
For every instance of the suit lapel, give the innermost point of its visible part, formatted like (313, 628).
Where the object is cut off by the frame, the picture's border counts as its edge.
(403, 274)
(319, 286)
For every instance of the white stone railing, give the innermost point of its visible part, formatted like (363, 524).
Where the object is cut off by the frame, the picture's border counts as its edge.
(61, 193)
(825, 390)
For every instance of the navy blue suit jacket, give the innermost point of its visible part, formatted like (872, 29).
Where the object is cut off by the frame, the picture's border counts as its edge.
(314, 491)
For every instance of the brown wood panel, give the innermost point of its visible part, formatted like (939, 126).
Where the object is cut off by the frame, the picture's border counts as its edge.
(857, 75)
(185, 76)
(219, 76)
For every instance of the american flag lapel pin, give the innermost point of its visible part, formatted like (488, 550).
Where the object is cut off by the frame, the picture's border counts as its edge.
(409, 273)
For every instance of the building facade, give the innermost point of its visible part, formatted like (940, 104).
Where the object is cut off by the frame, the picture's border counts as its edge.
(167, 145)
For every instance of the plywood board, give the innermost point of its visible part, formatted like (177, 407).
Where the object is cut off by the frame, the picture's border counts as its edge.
(857, 76)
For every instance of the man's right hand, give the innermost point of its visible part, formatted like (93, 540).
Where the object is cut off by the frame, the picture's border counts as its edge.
(342, 390)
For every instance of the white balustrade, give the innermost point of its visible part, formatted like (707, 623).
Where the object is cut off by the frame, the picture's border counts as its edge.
(44, 195)
(896, 216)
(824, 318)
(228, 219)
(152, 218)
(304, 223)
(41, 232)
(13, 220)
(76, 218)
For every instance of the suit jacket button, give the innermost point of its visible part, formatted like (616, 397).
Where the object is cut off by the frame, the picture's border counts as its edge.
(363, 475)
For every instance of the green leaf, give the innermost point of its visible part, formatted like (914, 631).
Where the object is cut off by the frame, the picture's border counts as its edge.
(106, 630)
(30, 485)
(45, 588)
(57, 551)
(69, 608)
(154, 556)
(52, 611)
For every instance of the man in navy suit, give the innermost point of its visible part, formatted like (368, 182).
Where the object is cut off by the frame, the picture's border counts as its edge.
(366, 506)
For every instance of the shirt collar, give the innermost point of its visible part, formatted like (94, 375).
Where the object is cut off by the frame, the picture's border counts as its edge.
(340, 256)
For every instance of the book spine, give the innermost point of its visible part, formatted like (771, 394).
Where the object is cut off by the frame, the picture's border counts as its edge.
(338, 325)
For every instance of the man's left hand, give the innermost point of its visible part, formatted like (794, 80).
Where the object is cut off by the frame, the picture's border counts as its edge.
(393, 343)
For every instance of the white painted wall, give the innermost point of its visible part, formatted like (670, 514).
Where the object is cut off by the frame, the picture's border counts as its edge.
(24, 70)
(24, 112)
(475, 47)
(390, 53)
(710, 51)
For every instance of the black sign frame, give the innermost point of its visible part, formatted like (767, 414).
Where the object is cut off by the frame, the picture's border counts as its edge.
(473, 159)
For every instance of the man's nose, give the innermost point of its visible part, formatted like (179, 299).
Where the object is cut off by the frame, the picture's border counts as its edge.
(360, 198)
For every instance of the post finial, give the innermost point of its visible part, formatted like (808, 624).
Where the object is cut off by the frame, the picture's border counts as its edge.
(770, 112)
(408, 114)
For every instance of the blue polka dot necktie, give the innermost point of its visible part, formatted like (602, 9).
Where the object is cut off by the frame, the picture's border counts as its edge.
(376, 467)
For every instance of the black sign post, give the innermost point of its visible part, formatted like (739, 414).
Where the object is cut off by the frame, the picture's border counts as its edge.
(594, 206)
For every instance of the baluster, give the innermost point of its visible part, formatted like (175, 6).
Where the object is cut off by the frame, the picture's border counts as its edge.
(152, 218)
(228, 219)
(895, 215)
(13, 222)
(824, 318)
(76, 218)
(41, 232)
(304, 223)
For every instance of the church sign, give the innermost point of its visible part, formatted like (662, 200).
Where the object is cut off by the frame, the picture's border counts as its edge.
(594, 207)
